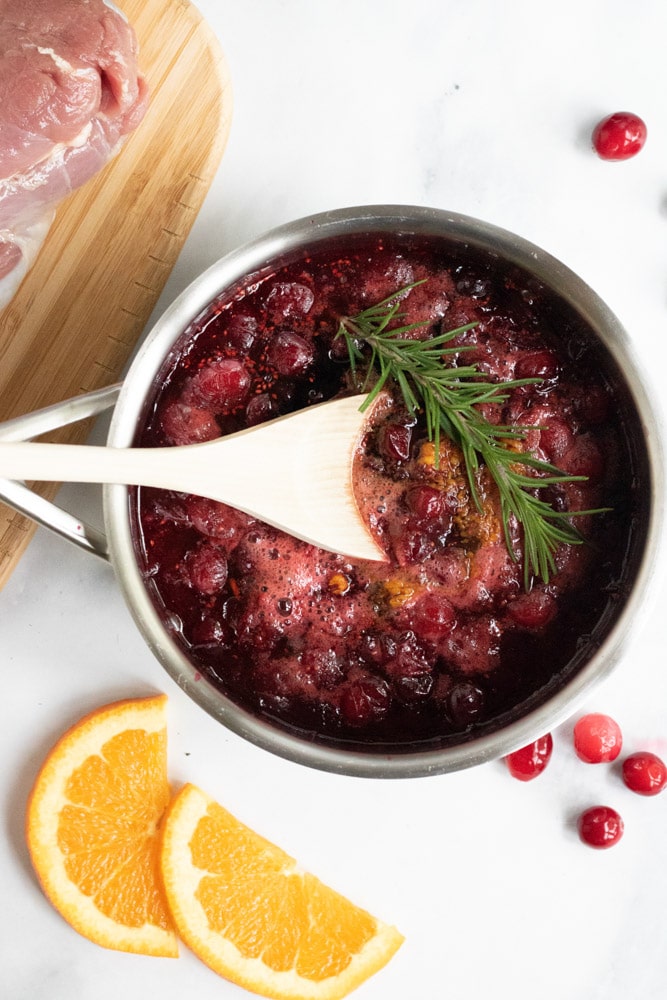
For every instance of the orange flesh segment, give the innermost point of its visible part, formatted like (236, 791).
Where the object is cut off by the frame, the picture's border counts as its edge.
(92, 827)
(243, 905)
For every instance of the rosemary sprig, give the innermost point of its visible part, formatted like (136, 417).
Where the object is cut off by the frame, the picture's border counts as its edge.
(449, 396)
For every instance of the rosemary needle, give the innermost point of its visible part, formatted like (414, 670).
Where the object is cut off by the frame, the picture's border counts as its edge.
(449, 397)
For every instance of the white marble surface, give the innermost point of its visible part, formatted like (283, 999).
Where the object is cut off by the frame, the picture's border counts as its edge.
(477, 107)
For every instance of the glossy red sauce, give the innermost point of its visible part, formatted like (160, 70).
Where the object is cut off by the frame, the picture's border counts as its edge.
(442, 642)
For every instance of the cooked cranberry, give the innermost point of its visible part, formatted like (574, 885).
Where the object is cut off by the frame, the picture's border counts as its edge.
(338, 351)
(619, 136)
(241, 332)
(555, 496)
(183, 424)
(556, 438)
(432, 617)
(289, 299)
(207, 569)
(645, 773)
(216, 520)
(517, 405)
(290, 354)
(537, 364)
(363, 701)
(600, 827)
(394, 442)
(465, 704)
(376, 647)
(413, 689)
(210, 631)
(208, 516)
(255, 633)
(584, 458)
(260, 408)
(473, 647)
(526, 763)
(410, 659)
(414, 544)
(597, 738)
(533, 610)
(322, 666)
(427, 503)
(474, 286)
(222, 385)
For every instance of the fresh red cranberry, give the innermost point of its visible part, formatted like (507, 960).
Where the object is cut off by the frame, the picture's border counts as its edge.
(290, 354)
(464, 704)
(645, 773)
(600, 827)
(289, 299)
(619, 136)
(537, 364)
(427, 503)
(394, 442)
(183, 424)
(533, 610)
(207, 569)
(222, 385)
(364, 701)
(259, 409)
(528, 762)
(597, 738)
(432, 617)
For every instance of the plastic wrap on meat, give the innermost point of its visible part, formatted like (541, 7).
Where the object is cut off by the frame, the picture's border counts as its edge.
(70, 91)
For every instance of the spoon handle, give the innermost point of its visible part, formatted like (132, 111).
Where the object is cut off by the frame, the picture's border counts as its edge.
(294, 472)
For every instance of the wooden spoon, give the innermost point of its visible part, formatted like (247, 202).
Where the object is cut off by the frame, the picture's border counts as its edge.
(294, 472)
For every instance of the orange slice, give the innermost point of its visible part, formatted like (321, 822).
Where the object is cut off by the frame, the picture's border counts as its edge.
(247, 910)
(92, 823)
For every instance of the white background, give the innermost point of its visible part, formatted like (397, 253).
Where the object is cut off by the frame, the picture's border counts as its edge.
(477, 107)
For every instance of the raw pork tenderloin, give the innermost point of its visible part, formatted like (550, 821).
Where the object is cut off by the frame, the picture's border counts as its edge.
(70, 90)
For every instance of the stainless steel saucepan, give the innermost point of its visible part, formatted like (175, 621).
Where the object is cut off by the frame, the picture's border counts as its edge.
(129, 401)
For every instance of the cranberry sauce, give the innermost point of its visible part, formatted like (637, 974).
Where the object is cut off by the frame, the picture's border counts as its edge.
(442, 642)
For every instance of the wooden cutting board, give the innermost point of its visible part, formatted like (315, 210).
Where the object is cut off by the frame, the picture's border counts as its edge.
(78, 314)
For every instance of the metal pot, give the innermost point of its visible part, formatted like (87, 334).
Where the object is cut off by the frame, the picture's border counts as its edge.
(130, 402)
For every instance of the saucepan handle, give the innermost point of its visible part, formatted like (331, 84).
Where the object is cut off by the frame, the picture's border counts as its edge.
(32, 505)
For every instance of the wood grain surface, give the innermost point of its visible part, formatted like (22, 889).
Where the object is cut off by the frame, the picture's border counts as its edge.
(78, 314)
